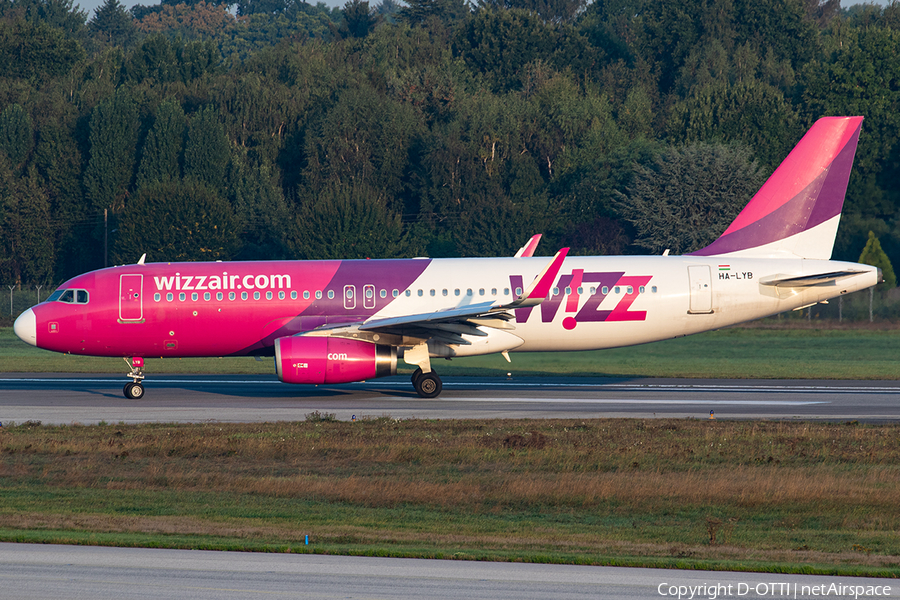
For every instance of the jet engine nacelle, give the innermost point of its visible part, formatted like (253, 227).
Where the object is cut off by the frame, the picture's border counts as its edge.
(303, 359)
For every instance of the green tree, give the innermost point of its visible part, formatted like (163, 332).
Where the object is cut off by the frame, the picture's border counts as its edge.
(873, 255)
(347, 221)
(861, 76)
(259, 204)
(417, 12)
(161, 154)
(359, 19)
(364, 137)
(112, 24)
(689, 196)
(27, 251)
(207, 150)
(16, 136)
(36, 50)
(554, 11)
(752, 113)
(113, 138)
(500, 43)
(58, 160)
(176, 221)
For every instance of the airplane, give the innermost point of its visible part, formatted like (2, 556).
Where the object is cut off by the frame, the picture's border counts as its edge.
(341, 321)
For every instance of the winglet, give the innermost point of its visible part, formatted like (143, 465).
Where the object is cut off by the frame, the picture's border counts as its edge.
(541, 285)
(528, 249)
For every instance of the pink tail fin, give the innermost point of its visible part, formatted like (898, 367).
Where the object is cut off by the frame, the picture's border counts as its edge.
(796, 212)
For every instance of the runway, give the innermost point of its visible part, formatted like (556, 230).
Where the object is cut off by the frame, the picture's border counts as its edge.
(74, 572)
(87, 399)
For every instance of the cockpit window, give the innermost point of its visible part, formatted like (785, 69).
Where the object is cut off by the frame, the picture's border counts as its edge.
(69, 296)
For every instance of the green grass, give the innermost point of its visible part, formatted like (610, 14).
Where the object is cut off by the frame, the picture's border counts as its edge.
(763, 353)
(779, 497)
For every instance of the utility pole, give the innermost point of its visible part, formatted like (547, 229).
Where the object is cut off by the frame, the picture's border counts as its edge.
(105, 236)
(11, 288)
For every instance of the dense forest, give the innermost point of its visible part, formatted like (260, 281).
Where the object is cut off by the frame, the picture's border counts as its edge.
(272, 129)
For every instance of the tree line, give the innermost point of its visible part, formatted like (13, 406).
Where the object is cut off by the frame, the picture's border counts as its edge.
(275, 129)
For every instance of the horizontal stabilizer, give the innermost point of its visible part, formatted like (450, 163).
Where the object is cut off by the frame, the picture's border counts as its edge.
(790, 281)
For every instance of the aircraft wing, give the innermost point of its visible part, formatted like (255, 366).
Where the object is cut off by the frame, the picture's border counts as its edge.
(450, 324)
(793, 281)
(534, 295)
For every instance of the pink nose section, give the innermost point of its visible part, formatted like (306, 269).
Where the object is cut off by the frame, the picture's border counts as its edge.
(26, 327)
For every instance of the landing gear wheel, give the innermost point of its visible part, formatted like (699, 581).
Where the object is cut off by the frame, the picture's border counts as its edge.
(134, 391)
(428, 385)
(416, 374)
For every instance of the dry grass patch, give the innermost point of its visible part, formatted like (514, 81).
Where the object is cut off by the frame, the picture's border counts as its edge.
(693, 490)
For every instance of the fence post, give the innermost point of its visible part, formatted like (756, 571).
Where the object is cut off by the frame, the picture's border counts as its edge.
(840, 309)
(871, 297)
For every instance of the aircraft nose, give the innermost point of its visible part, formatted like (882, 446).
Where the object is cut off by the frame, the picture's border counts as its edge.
(26, 327)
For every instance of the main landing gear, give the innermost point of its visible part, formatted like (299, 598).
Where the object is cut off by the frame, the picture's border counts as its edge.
(428, 385)
(134, 390)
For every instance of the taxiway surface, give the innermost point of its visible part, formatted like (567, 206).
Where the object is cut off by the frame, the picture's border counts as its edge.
(67, 398)
(70, 572)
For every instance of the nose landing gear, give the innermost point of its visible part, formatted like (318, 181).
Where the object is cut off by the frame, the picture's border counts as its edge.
(134, 390)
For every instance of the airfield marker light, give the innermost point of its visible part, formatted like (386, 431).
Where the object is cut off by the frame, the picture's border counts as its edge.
(712, 415)
(307, 540)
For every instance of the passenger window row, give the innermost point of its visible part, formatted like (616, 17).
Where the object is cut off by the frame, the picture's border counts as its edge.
(81, 297)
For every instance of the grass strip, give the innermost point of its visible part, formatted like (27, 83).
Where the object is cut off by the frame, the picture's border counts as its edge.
(777, 497)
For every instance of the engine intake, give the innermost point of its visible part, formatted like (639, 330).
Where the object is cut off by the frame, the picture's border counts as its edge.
(302, 359)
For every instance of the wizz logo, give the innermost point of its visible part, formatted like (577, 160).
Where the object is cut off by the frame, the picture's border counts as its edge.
(629, 287)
